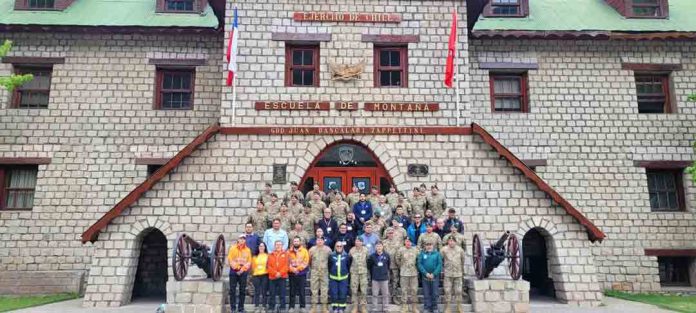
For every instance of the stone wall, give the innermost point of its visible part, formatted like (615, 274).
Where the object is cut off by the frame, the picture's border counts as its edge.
(584, 121)
(100, 118)
(214, 190)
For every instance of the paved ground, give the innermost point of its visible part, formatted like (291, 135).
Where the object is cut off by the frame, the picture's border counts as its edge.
(612, 305)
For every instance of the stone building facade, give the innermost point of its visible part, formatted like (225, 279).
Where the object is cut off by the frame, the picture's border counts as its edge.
(590, 148)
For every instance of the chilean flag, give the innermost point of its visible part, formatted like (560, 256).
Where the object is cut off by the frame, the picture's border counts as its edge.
(451, 51)
(232, 50)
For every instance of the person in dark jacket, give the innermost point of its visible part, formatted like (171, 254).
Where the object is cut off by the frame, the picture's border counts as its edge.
(345, 236)
(453, 221)
(328, 224)
(430, 266)
(378, 267)
(353, 225)
(252, 239)
(363, 210)
(339, 273)
(319, 233)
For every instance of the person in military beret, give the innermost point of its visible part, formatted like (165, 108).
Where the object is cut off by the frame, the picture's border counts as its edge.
(453, 268)
(353, 197)
(259, 219)
(315, 189)
(273, 207)
(294, 191)
(266, 193)
(436, 202)
(392, 197)
(373, 197)
(417, 202)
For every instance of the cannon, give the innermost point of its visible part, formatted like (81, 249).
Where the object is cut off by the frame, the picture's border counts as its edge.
(507, 247)
(210, 259)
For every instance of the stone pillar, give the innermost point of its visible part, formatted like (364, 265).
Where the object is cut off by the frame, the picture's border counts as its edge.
(196, 295)
(499, 295)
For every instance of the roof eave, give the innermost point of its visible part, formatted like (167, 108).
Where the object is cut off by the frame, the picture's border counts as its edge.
(110, 29)
(581, 35)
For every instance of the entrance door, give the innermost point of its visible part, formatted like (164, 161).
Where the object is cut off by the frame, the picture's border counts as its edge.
(535, 264)
(344, 164)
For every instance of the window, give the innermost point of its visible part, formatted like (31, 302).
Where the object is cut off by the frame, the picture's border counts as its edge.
(509, 92)
(507, 8)
(674, 270)
(19, 183)
(178, 5)
(174, 89)
(391, 66)
(40, 4)
(653, 93)
(648, 8)
(152, 168)
(301, 65)
(666, 189)
(34, 94)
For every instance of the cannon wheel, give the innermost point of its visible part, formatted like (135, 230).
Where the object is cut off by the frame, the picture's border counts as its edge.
(181, 254)
(477, 252)
(514, 256)
(217, 258)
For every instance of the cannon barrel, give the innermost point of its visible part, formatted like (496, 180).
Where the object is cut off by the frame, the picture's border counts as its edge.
(501, 241)
(194, 244)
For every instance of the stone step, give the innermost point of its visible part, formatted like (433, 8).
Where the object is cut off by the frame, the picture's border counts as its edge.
(249, 308)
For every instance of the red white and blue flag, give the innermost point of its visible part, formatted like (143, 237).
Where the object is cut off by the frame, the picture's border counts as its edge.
(232, 51)
(451, 51)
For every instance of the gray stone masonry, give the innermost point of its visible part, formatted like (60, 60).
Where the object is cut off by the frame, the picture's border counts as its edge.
(499, 295)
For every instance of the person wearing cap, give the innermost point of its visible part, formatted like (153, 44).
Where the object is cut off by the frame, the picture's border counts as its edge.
(378, 265)
(259, 218)
(373, 197)
(429, 237)
(339, 266)
(417, 202)
(318, 277)
(430, 266)
(273, 206)
(239, 259)
(398, 230)
(453, 221)
(353, 197)
(358, 282)
(266, 193)
(383, 207)
(345, 237)
(392, 197)
(416, 228)
(339, 208)
(436, 202)
(278, 267)
(315, 189)
(294, 191)
(363, 210)
(458, 237)
(453, 268)
(392, 245)
(316, 204)
(299, 262)
(271, 235)
(259, 278)
(408, 275)
(295, 205)
(328, 224)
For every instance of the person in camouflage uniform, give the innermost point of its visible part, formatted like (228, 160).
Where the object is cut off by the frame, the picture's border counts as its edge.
(353, 197)
(378, 224)
(392, 196)
(293, 192)
(314, 190)
(429, 237)
(384, 208)
(417, 202)
(398, 230)
(392, 245)
(285, 218)
(339, 209)
(299, 231)
(453, 269)
(401, 201)
(307, 219)
(266, 193)
(317, 205)
(461, 242)
(359, 274)
(295, 206)
(331, 196)
(373, 197)
(436, 202)
(273, 207)
(408, 272)
(259, 219)
(319, 276)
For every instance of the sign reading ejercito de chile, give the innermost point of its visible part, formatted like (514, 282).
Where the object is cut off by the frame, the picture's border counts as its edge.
(346, 17)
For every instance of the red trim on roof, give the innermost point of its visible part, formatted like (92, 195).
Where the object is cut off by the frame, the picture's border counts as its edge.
(92, 232)
(593, 231)
(596, 35)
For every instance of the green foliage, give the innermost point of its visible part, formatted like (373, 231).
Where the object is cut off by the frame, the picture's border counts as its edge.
(691, 97)
(671, 302)
(13, 81)
(9, 303)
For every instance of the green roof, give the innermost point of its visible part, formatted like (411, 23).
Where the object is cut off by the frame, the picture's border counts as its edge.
(591, 15)
(110, 13)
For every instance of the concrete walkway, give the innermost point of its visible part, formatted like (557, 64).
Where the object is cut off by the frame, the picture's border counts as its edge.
(611, 305)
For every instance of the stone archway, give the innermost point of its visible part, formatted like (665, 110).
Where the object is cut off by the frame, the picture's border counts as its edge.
(151, 274)
(543, 229)
(535, 264)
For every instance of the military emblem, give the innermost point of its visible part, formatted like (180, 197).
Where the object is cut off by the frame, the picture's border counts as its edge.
(346, 155)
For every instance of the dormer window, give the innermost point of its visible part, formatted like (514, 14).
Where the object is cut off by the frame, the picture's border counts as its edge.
(40, 4)
(507, 8)
(647, 8)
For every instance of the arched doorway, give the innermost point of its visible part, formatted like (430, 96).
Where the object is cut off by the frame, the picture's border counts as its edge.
(536, 265)
(151, 276)
(344, 164)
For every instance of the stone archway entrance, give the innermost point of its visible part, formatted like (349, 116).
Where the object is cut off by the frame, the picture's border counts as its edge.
(536, 265)
(151, 275)
(344, 164)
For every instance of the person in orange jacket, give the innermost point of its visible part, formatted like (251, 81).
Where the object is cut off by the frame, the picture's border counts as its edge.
(299, 260)
(239, 260)
(278, 267)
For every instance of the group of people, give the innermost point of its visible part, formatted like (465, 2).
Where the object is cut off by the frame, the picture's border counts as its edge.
(385, 240)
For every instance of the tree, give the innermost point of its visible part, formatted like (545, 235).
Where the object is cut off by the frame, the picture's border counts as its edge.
(13, 81)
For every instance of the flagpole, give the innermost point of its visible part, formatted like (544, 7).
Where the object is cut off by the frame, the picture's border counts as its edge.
(234, 98)
(456, 68)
